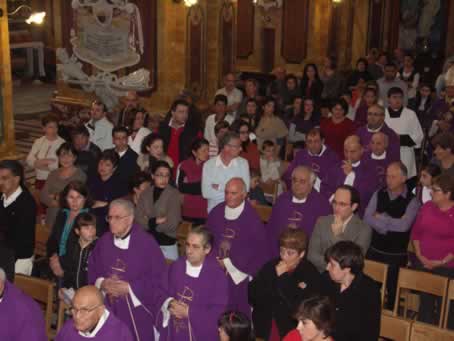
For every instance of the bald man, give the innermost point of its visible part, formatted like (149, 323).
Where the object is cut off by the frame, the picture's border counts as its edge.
(354, 171)
(240, 242)
(21, 318)
(233, 94)
(298, 208)
(91, 320)
(378, 156)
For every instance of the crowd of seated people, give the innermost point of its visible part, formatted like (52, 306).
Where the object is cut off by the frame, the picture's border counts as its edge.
(371, 171)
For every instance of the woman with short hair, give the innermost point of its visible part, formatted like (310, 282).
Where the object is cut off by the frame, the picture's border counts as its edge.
(281, 285)
(356, 297)
(315, 321)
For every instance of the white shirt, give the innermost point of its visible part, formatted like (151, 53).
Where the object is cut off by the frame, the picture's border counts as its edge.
(136, 143)
(233, 97)
(12, 198)
(98, 327)
(102, 134)
(44, 149)
(350, 179)
(209, 126)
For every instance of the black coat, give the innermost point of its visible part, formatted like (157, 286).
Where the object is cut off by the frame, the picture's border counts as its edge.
(17, 224)
(7, 261)
(278, 298)
(127, 166)
(187, 137)
(75, 264)
(358, 308)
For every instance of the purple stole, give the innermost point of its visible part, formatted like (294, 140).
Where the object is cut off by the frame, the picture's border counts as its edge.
(379, 166)
(393, 149)
(287, 214)
(206, 297)
(244, 241)
(141, 265)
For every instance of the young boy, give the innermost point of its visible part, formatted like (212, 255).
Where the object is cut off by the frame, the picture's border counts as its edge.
(74, 263)
(269, 163)
(219, 129)
(256, 194)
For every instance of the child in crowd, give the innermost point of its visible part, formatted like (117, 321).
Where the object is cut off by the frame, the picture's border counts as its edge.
(75, 261)
(424, 189)
(256, 195)
(219, 130)
(235, 326)
(269, 163)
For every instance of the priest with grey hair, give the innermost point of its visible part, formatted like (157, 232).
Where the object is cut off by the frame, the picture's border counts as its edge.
(21, 318)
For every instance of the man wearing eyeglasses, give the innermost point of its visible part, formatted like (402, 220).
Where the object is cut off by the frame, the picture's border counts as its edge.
(343, 224)
(376, 124)
(21, 318)
(91, 319)
(126, 265)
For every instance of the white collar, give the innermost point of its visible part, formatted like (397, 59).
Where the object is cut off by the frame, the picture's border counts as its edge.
(356, 164)
(374, 130)
(171, 121)
(344, 225)
(12, 198)
(193, 271)
(120, 154)
(295, 200)
(122, 243)
(100, 324)
(220, 163)
(426, 194)
(321, 152)
(233, 213)
(378, 157)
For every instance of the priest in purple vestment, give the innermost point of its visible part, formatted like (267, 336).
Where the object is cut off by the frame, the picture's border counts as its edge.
(240, 242)
(194, 292)
(21, 318)
(91, 320)
(127, 265)
(378, 157)
(316, 156)
(376, 123)
(299, 208)
(355, 171)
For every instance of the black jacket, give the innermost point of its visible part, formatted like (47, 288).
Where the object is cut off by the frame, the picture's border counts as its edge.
(187, 137)
(278, 298)
(127, 166)
(358, 308)
(7, 261)
(18, 222)
(87, 160)
(75, 264)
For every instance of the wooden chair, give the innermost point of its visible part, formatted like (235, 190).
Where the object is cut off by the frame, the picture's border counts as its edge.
(425, 332)
(182, 232)
(395, 328)
(42, 233)
(422, 282)
(62, 307)
(288, 150)
(264, 212)
(378, 272)
(41, 291)
(449, 298)
(270, 190)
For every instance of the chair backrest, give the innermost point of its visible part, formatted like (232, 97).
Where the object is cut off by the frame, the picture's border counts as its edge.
(395, 328)
(449, 298)
(42, 233)
(182, 232)
(424, 332)
(41, 291)
(264, 212)
(378, 272)
(423, 282)
(270, 190)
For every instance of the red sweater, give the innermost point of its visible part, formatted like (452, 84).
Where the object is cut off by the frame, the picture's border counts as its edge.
(294, 335)
(335, 134)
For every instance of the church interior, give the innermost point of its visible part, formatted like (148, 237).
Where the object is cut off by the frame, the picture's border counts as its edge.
(197, 124)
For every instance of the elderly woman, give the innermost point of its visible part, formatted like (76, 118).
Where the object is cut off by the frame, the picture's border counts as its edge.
(270, 126)
(73, 200)
(315, 321)
(189, 182)
(138, 129)
(281, 285)
(159, 210)
(58, 179)
(356, 296)
(433, 238)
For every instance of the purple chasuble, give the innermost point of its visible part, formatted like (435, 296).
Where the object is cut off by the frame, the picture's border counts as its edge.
(113, 329)
(142, 266)
(295, 215)
(365, 182)
(21, 318)
(379, 167)
(206, 296)
(244, 241)
(393, 149)
(319, 164)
